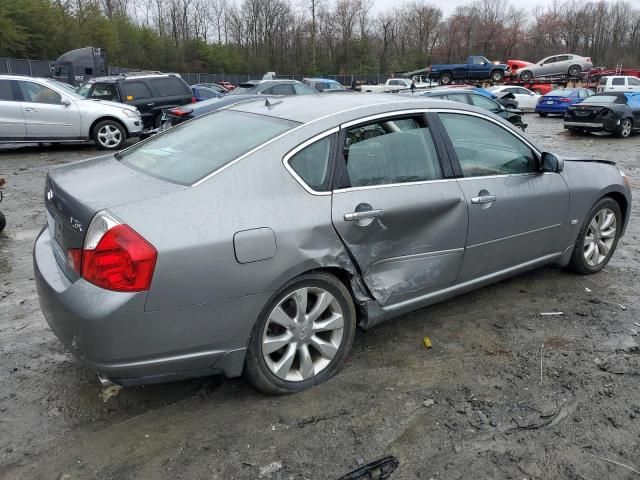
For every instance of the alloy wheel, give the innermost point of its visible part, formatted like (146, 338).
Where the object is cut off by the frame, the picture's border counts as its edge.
(626, 128)
(600, 236)
(303, 334)
(109, 136)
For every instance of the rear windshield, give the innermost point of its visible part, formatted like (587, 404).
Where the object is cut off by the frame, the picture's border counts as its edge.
(600, 99)
(192, 150)
(243, 88)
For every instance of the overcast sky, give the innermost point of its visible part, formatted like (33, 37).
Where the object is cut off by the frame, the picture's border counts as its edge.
(448, 6)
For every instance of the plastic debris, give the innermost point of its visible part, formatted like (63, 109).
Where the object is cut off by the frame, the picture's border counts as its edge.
(428, 402)
(549, 314)
(110, 391)
(269, 470)
(588, 290)
(378, 470)
(426, 341)
(622, 306)
(636, 324)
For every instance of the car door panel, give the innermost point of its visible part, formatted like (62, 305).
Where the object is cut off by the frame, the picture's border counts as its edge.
(45, 116)
(415, 246)
(522, 224)
(12, 124)
(407, 235)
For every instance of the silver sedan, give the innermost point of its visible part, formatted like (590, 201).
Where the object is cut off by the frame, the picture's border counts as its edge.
(566, 64)
(255, 239)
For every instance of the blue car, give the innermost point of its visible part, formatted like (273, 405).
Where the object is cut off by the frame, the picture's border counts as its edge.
(204, 93)
(559, 100)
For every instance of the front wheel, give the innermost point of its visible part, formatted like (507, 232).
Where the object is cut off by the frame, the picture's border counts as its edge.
(303, 337)
(497, 76)
(109, 135)
(526, 75)
(542, 114)
(575, 70)
(625, 128)
(3, 222)
(598, 238)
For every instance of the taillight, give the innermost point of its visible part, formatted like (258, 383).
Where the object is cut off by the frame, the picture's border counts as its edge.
(180, 112)
(115, 257)
(194, 99)
(565, 100)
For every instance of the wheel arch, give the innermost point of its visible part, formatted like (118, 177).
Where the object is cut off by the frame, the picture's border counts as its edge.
(623, 202)
(107, 117)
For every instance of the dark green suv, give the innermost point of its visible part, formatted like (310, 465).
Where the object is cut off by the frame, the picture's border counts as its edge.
(150, 93)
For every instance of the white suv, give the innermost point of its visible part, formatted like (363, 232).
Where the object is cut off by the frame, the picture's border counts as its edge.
(45, 110)
(619, 84)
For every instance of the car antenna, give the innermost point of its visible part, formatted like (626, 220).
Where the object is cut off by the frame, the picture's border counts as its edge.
(271, 104)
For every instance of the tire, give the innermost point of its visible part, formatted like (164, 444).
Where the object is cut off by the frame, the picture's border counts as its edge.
(3, 222)
(446, 79)
(579, 262)
(625, 128)
(496, 76)
(157, 121)
(526, 75)
(542, 114)
(109, 135)
(539, 92)
(261, 367)
(574, 70)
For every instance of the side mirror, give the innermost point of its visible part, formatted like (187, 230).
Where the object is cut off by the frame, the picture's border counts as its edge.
(551, 163)
(65, 102)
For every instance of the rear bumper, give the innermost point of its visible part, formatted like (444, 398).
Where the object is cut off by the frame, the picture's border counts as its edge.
(550, 109)
(112, 334)
(607, 125)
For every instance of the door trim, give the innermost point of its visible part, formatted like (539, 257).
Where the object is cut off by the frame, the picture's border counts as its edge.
(514, 236)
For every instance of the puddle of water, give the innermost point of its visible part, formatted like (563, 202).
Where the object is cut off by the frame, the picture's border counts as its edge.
(21, 235)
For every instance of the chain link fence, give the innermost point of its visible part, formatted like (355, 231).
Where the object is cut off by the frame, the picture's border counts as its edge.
(42, 68)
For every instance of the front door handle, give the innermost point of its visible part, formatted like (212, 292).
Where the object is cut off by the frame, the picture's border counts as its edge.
(150, 104)
(30, 109)
(355, 216)
(483, 199)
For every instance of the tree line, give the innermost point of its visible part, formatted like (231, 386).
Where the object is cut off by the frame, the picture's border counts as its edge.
(316, 36)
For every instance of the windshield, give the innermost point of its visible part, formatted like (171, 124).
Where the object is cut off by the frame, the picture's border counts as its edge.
(68, 89)
(242, 89)
(83, 90)
(192, 150)
(561, 93)
(599, 99)
(330, 86)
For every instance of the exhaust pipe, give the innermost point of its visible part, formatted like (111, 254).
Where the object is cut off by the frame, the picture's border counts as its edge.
(104, 381)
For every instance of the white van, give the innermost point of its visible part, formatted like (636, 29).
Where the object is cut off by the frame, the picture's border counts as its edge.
(619, 84)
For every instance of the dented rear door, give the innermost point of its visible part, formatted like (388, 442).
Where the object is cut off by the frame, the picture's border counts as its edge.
(404, 223)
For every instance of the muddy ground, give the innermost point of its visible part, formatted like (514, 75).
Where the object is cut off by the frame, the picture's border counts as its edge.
(504, 393)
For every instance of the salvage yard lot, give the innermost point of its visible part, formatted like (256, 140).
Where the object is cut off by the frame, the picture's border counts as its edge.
(504, 392)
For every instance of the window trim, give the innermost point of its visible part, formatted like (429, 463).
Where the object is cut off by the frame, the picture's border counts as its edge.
(454, 156)
(291, 153)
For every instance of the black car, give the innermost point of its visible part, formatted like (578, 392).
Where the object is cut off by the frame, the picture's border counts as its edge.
(470, 97)
(151, 93)
(273, 87)
(615, 112)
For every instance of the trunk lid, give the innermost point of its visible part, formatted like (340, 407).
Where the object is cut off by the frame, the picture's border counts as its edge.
(584, 112)
(76, 192)
(554, 100)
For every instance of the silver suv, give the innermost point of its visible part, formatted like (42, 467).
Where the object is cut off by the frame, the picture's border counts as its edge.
(45, 110)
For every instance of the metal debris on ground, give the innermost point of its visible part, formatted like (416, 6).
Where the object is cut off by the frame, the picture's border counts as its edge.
(110, 391)
(426, 341)
(549, 314)
(269, 470)
(378, 470)
(622, 307)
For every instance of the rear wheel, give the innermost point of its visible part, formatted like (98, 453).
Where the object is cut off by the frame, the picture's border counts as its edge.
(542, 114)
(526, 75)
(446, 79)
(625, 128)
(575, 70)
(3, 222)
(109, 135)
(303, 337)
(598, 238)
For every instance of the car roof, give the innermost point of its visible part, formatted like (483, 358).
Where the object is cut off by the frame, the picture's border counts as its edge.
(13, 76)
(117, 78)
(318, 79)
(350, 106)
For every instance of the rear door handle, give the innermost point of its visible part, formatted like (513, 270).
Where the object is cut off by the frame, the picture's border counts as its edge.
(150, 104)
(354, 216)
(30, 109)
(483, 199)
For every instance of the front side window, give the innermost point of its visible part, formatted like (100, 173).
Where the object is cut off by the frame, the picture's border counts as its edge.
(390, 151)
(282, 89)
(484, 148)
(36, 93)
(311, 164)
(136, 91)
(104, 91)
(549, 60)
(457, 97)
(5, 91)
(189, 152)
(304, 90)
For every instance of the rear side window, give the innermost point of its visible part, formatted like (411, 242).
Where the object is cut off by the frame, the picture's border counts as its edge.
(618, 81)
(457, 97)
(189, 152)
(304, 90)
(136, 91)
(311, 164)
(170, 87)
(390, 151)
(634, 81)
(5, 90)
(484, 102)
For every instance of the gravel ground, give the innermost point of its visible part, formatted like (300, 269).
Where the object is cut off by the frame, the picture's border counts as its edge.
(503, 393)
